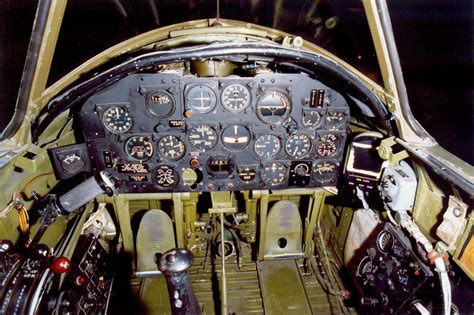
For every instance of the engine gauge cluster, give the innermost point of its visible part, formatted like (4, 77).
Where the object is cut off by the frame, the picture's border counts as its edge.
(167, 132)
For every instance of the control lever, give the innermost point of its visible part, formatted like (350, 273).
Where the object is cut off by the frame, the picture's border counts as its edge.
(174, 265)
(72, 200)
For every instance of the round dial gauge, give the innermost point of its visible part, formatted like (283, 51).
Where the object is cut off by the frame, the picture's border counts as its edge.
(202, 137)
(236, 137)
(273, 107)
(235, 97)
(335, 119)
(139, 148)
(311, 119)
(117, 119)
(385, 241)
(273, 174)
(327, 145)
(325, 171)
(298, 146)
(267, 146)
(171, 147)
(201, 99)
(160, 104)
(247, 173)
(72, 162)
(165, 176)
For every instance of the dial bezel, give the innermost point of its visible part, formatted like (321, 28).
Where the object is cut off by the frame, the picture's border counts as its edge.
(247, 101)
(165, 154)
(108, 127)
(145, 139)
(255, 149)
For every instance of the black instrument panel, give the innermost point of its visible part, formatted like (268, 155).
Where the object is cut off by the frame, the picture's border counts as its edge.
(166, 132)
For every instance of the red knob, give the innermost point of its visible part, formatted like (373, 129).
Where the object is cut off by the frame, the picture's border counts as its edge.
(60, 265)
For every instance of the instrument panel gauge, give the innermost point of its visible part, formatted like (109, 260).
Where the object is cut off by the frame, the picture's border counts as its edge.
(298, 146)
(273, 174)
(311, 119)
(202, 137)
(171, 147)
(117, 119)
(72, 163)
(267, 146)
(328, 145)
(201, 99)
(273, 107)
(235, 137)
(325, 171)
(139, 148)
(246, 173)
(160, 104)
(385, 241)
(335, 119)
(165, 176)
(235, 97)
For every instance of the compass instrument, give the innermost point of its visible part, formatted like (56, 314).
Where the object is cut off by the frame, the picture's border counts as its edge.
(139, 148)
(235, 137)
(298, 146)
(235, 97)
(117, 119)
(202, 137)
(201, 99)
(267, 146)
(171, 147)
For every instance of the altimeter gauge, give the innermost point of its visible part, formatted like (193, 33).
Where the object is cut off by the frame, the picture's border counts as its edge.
(201, 99)
(165, 176)
(267, 146)
(117, 119)
(139, 148)
(235, 137)
(171, 147)
(273, 173)
(235, 97)
(298, 146)
(202, 137)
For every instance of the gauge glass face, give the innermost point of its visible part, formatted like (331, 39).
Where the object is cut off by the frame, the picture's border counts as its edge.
(298, 146)
(385, 241)
(117, 119)
(273, 174)
(236, 137)
(235, 97)
(72, 162)
(327, 145)
(160, 104)
(267, 146)
(202, 137)
(311, 119)
(273, 107)
(325, 172)
(201, 99)
(247, 173)
(139, 148)
(335, 119)
(165, 176)
(171, 147)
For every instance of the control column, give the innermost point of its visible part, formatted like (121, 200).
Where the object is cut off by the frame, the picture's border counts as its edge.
(174, 265)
